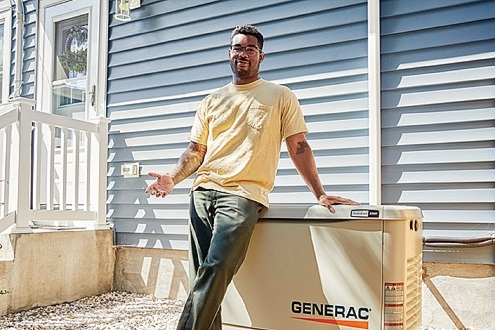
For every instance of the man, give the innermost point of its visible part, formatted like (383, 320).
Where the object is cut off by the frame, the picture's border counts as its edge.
(235, 147)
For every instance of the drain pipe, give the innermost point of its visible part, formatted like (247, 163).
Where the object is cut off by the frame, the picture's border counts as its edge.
(19, 51)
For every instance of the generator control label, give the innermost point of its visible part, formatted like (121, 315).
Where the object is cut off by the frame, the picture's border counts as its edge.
(394, 306)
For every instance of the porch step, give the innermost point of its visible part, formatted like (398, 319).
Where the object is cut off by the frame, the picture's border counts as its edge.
(56, 225)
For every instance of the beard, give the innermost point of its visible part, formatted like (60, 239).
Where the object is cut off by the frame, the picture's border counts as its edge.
(244, 68)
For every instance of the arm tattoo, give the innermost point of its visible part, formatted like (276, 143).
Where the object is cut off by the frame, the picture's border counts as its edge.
(189, 162)
(196, 148)
(301, 147)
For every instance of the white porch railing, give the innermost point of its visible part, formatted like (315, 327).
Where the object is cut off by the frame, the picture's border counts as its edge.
(53, 169)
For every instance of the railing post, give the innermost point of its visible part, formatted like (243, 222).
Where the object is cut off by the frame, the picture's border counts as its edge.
(5, 158)
(101, 160)
(24, 127)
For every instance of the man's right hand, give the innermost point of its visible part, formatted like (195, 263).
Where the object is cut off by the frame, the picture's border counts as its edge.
(163, 185)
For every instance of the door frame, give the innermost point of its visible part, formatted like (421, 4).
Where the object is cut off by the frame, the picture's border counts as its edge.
(44, 74)
(6, 20)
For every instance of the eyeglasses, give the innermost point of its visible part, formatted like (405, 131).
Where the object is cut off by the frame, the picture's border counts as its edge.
(250, 50)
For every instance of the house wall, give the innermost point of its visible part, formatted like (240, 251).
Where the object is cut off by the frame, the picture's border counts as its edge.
(29, 49)
(437, 106)
(438, 115)
(317, 48)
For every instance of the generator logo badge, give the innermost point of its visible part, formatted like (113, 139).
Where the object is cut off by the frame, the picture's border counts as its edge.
(347, 316)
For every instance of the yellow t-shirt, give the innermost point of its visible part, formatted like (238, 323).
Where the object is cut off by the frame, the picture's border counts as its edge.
(243, 127)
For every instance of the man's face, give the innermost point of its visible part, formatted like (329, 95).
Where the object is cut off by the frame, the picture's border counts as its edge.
(245, 57)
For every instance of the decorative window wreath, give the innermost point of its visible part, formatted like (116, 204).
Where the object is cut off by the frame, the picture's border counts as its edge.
(75, 60)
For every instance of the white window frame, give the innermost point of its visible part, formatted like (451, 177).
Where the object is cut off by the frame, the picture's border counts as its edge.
(6, 21)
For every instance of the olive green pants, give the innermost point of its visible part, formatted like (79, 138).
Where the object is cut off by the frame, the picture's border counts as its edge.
(221, 225)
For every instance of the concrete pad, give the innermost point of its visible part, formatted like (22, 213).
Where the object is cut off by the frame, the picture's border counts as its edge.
(459, 296)
(160, 272)
(55, 267)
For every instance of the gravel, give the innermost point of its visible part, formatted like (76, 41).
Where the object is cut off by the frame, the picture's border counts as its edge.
(109, 311)
(112, 310)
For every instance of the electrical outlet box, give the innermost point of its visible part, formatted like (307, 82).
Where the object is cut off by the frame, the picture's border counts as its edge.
(130, 170)
(133, 4)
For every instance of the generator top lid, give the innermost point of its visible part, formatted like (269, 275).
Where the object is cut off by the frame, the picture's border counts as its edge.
(342, 212)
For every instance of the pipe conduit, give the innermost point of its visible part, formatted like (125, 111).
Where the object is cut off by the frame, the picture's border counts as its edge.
(459, 242)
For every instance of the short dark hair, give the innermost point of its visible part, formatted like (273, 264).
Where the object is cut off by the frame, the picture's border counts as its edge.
(249, 30)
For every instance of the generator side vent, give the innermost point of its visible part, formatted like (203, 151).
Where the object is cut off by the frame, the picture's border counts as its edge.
(413, 293)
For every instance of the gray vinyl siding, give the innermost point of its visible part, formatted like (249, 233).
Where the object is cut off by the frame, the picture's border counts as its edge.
(29, 49)
(29, 63)
(438, 116)
(173, 53)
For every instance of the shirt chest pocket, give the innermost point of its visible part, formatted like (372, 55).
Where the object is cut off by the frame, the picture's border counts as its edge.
(258, 116)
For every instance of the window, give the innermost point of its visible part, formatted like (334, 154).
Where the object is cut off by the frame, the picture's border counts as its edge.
(70, 67)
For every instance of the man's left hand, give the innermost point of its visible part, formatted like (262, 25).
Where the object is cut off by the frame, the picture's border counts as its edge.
(328, 201)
